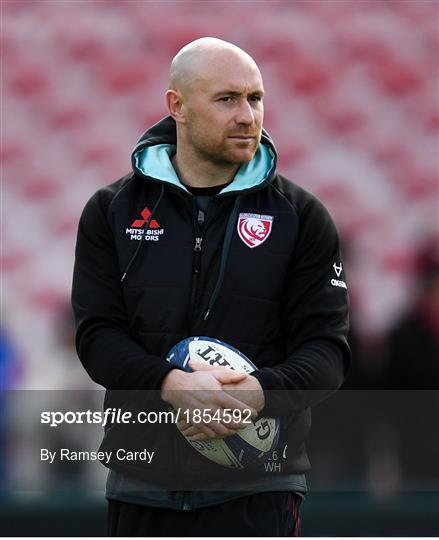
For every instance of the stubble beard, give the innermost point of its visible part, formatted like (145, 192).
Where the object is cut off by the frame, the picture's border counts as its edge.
(219, 153)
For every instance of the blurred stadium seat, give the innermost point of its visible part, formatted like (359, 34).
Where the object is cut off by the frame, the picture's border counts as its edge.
(351, 101)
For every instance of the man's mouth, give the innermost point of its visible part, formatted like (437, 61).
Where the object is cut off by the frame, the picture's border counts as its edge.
(244, 138)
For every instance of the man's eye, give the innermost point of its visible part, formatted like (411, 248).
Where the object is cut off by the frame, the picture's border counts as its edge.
(226, 99)
(256, 98)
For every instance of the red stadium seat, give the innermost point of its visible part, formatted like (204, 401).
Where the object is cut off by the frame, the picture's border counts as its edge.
(351, 102)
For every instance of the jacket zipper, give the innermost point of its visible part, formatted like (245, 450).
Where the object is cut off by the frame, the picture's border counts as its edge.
(198, 241)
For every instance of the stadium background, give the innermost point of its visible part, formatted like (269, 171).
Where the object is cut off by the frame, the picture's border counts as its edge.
(352, 103)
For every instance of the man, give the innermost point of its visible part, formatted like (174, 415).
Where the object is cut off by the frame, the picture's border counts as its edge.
(204, 237)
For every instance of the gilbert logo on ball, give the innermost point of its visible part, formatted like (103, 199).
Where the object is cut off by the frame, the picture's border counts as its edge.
(254, 229)
(250, 445)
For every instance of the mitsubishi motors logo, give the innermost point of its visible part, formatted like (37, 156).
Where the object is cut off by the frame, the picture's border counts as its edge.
(138, 232)
(254, 229)
(145, 213)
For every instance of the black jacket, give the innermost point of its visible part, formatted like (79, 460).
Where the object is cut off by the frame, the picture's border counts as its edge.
(282, 302)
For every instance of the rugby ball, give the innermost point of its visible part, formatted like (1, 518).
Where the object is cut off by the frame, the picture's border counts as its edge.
(250, 445)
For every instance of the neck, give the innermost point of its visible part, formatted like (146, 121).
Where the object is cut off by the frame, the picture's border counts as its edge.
(196, 172)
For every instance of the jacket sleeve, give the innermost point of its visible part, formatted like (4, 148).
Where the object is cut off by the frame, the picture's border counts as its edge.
(315, 315)
(104, 344)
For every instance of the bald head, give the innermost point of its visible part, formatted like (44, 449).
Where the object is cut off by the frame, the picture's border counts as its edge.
(215, 96)
(203, 58)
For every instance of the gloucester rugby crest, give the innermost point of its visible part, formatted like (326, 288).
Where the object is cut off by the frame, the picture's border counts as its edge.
(254, 229)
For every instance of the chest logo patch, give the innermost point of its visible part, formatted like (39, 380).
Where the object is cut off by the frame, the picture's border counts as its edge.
(254, 229)
(137, 231)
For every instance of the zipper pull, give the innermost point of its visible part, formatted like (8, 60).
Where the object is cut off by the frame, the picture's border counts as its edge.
(197, 246)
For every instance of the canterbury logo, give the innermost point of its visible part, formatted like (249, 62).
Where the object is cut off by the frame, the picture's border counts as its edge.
(337, 269)
(139, 223)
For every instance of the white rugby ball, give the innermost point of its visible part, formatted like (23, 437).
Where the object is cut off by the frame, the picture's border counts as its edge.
(249, 445)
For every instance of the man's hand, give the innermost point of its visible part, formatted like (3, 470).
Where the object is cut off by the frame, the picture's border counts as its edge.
(248, 390)
(203, 390)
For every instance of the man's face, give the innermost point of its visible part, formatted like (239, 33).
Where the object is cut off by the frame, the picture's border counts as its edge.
(224, 111)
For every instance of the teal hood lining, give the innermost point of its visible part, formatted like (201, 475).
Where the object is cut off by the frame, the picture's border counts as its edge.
(155, 161)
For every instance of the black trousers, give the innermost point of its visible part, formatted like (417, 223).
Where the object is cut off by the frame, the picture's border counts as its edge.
(262, 514)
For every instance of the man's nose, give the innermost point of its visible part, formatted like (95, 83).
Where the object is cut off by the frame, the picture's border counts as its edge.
(245, 113)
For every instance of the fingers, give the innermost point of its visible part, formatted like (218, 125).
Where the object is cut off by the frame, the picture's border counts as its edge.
(228, 376)
(199, 437)
(212, 430)
(208, 407)
(190, 431)
(227, 401)
(202, 366)
(223, 408)
(222, 374)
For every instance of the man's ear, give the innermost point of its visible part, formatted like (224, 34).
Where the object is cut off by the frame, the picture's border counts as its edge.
(174, 100)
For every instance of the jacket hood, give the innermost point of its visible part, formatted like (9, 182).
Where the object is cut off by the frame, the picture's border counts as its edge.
(152, 158)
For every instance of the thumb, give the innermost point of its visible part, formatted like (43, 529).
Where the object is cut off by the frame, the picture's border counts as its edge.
(202, 366)
(219, 370)
(228, 376)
